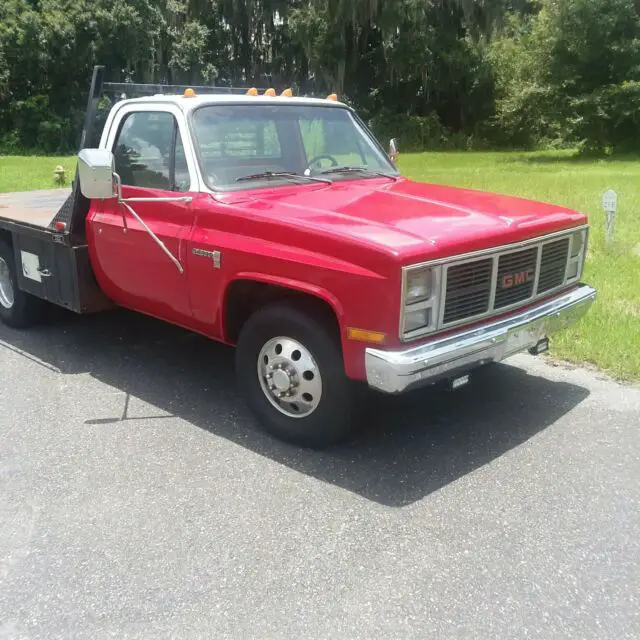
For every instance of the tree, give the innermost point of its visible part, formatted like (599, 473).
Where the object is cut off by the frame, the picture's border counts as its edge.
(434, 72)
(571, 74)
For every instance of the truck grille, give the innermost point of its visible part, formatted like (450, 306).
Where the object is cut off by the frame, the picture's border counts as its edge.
(479, 287)
(468, 290)
(554, 264)
(516, 277)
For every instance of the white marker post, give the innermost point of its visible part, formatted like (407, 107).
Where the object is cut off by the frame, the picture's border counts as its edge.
(610, 206)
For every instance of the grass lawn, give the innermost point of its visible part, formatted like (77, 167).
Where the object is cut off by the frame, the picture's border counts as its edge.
(609, 336)
(23, 173)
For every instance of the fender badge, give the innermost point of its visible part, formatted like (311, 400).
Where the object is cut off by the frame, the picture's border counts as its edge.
(214, 255)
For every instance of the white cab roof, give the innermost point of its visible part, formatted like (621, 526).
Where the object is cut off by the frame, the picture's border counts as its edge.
(188, 104)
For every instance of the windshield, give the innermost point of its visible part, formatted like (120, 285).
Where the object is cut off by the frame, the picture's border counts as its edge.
(242, 146)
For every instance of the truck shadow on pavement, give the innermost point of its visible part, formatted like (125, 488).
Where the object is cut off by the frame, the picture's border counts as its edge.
(406, 447)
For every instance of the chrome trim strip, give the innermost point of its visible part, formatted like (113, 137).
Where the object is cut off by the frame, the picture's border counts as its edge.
(567, 262)
(493, 283)
(453, 354)
(536, 282)
(580, 258)
(499, 249)
(496, 253)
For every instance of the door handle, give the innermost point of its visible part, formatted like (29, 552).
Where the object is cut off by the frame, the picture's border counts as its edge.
(45, 273)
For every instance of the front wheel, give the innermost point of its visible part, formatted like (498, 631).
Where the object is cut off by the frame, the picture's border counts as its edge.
(290, 370)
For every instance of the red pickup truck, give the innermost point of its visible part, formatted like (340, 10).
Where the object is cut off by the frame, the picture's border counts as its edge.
(280, 226)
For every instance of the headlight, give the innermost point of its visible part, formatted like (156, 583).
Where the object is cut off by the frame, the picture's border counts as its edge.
(577, 255)
(414, 320)
(418, 285)
(577, 243)
(573, 270)
(421, 287)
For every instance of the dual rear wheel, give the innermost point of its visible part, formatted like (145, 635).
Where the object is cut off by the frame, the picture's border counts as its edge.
(6, 286)
(17, 308)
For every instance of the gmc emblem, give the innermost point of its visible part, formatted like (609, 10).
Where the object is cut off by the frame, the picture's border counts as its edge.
(510, 280)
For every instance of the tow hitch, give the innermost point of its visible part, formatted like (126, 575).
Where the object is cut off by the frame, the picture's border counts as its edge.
(540, 348)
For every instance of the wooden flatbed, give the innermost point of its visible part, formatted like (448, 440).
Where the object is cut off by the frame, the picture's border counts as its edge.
(36, 208)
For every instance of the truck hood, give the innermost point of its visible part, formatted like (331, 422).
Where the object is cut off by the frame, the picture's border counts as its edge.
(409, 217)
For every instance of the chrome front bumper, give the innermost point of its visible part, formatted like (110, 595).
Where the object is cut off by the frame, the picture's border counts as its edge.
(492, 341)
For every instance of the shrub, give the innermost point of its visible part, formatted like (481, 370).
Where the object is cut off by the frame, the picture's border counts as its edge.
(36, 126)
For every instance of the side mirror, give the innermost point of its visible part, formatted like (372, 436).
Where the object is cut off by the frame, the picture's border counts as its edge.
(393, 149)
(95, 171)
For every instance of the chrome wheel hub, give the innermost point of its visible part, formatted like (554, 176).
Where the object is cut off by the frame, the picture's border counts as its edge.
(289, 377)
(6, 285)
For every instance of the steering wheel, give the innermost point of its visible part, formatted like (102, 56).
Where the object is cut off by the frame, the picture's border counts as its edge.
(322, 156)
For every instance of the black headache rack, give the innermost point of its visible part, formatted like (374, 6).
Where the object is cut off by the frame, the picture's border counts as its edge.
(53, 262)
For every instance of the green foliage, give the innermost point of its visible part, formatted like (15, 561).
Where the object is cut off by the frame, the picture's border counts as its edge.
(569, 74)
(436, 74)
(37, 126)
(608, 119)
(414, 133)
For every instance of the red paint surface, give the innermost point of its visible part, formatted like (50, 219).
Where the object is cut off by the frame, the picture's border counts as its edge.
(344, 243)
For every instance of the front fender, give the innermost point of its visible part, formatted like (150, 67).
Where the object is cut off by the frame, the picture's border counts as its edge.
(353, 352)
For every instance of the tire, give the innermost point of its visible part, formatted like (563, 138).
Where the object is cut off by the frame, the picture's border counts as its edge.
(317, 380)
(17, 308)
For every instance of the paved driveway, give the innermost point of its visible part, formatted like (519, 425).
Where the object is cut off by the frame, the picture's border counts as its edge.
(137, 500)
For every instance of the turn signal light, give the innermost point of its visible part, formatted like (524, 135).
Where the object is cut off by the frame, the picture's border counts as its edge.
(362, 335)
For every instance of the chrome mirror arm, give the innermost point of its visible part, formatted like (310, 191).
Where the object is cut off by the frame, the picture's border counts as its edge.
(125, 203)
(118, 186)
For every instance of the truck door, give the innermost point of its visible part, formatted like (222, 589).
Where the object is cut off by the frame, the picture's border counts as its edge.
(148, 143)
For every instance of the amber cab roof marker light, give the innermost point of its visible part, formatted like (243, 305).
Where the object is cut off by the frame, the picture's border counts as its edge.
(252, 92)
(271, 93)
(333, 97)
(189, 93)
(287, 93)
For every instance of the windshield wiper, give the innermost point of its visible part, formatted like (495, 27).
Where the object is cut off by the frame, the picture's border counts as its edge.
(281, 174)
(358, 170)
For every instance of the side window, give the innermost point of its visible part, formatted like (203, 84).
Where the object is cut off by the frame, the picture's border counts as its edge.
(149, 152)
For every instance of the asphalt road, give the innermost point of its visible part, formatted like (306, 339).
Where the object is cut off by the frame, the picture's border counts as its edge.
(138, 500)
